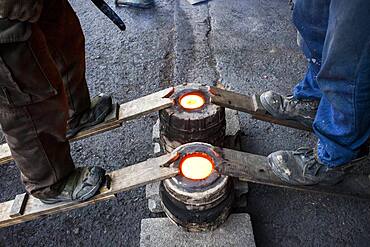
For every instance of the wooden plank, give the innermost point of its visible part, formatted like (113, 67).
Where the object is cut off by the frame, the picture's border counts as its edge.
(124, 179)
(125, 112)
(250, 105)
(234, 101)
(254, 168)
(139, 107)
(287, 123)
(43, 211)
(5, 155)
(18, 206)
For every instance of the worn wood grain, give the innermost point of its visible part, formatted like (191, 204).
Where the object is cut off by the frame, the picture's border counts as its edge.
(250, 105)
(234, 100)
(254, 168)
(5, 155)
(140, 107)
(124, 112)
(124, 179)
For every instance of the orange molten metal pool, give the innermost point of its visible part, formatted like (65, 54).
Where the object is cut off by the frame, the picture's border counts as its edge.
(196, 166)
(192, 101)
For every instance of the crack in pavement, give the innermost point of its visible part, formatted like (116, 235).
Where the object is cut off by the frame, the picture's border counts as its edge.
(194, 59)
(212, 59)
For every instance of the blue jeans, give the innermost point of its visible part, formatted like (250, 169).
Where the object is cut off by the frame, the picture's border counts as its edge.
(336, 43)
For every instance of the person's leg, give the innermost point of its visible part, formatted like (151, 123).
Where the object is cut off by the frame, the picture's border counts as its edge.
(33, 114)
(343, 119)
(311, 20)
(66, 44)
(35, 134)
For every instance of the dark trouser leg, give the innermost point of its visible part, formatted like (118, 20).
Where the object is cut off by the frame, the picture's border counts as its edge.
(66, 43)
(33, 113)
(343, 119)
(35, 134)
(311, 20)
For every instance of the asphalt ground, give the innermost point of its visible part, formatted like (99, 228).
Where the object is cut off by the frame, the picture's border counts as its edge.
(250, 45)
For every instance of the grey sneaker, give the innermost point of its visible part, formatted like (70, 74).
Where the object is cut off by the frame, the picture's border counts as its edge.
(289, 108)
(80, 186)
(302, 167)
(144, 4)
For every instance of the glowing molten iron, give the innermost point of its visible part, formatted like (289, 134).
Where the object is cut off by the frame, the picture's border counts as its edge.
(196, 166)
(192, 101)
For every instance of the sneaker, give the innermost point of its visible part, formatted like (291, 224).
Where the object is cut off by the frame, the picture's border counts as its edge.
(143, 4)
(80, 186)
(289, 108)
(101, 106)
(302, 167)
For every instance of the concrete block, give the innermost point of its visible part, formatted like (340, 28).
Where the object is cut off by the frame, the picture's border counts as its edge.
(236, 231)
(155, 206)
(241, 191)
(157, 148)
(232, 137)
(155, 133)
(152, 190)
(232, 122)
(154, 200)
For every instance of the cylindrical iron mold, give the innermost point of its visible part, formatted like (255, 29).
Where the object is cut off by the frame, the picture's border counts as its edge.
(204, 124)
(197, 205)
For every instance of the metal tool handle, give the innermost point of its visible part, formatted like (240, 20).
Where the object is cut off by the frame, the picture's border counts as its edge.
(108, 11)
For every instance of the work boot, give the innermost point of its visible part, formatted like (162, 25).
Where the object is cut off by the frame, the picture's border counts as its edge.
(289, 108)
(101, 106)
(80, 186)
(144, 4)
(302, 167)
